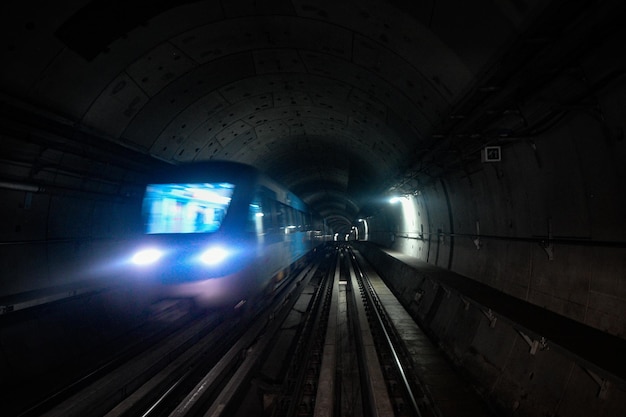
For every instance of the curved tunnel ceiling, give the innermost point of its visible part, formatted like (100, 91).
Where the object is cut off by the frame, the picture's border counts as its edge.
(333, 99)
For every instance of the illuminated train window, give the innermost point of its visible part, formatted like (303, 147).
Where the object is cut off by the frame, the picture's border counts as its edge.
(186, 208)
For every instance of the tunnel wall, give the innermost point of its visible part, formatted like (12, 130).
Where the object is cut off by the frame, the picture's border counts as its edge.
(57, 240)
(493, 356)
(62, 225)
(565, 186)
(546, 223)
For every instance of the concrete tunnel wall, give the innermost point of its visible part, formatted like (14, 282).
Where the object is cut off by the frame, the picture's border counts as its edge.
(73, 232)
(495, 358)
(566, 183)
(574, 194)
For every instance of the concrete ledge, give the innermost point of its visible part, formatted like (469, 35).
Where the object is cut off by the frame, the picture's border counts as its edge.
(27, 299)
(510, 347)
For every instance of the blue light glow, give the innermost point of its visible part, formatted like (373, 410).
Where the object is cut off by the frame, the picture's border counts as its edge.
(147, 256)
(214, 255)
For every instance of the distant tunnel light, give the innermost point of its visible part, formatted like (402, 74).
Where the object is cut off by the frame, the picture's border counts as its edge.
(147, 256)
(396, 199)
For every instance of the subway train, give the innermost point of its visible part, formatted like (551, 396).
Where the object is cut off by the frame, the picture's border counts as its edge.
(221, 233)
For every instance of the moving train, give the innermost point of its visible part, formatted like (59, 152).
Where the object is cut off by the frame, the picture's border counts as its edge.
(221, 233)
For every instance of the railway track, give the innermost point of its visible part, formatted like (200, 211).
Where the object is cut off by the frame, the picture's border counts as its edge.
(363, 368)
(323, 346)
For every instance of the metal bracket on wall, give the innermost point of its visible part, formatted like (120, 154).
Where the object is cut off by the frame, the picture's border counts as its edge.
(477, 241)
(442, 236)
(547, 245)
(604, 384)
(534, 344)
(492, 317)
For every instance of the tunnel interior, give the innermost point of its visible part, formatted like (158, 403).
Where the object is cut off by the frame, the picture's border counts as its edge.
(498, 127)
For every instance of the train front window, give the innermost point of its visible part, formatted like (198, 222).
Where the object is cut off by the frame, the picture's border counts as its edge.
(186, 208)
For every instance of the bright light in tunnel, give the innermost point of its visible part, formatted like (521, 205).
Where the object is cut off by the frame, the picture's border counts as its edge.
(147, 256)
(365, 234)
(214, 255)
(396, 199)
(408, 222)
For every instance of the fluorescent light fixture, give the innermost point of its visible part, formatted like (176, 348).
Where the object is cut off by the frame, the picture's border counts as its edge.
(147, 256)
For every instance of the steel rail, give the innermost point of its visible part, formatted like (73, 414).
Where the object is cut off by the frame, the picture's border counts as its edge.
(98, 390)
(306, 346)
(233, 369)
(325, 395)
(370, 293)
(380, 405)
(255, 353)
(142, 401)
(123, 356)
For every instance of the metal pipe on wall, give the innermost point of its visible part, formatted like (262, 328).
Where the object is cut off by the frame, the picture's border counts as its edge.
(31, 188)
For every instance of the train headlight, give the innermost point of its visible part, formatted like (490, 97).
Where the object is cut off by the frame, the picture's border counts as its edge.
(214, 255)
(147, 256)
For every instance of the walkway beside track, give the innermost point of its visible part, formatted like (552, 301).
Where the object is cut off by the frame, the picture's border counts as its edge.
(452, 395)
(590, 347)
(520, 356)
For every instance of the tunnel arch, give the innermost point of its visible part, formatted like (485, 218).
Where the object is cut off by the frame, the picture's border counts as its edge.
(346, 104)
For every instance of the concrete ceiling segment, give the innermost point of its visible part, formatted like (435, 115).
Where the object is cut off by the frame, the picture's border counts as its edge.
(332, 198)
(348, 166)
(360, 85)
